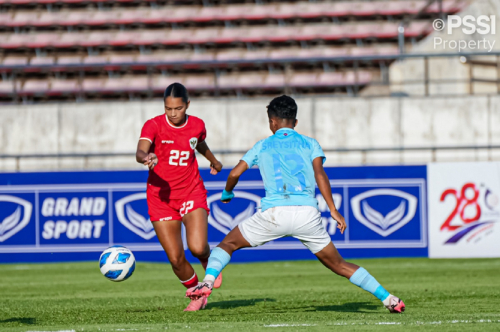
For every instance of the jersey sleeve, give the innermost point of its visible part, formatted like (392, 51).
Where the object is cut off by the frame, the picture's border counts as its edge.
(149, 131)
(203, 134)
(252, 156)
(317, 151)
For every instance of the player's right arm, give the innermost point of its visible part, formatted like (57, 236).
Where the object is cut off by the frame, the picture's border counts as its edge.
(232, 181)
(142, 155)
(250, 159)
(326, 190)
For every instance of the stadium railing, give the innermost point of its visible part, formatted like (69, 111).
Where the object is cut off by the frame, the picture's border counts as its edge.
(200, 36)
(113, 61)
(363, 151)
(227, 13)
(360, 73)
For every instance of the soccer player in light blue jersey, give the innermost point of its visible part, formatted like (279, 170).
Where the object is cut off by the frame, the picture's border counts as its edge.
(291, 165)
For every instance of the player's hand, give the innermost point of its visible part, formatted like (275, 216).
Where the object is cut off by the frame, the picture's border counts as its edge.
(340, 221)
(226, 196)
(215, 167)
(151, 160)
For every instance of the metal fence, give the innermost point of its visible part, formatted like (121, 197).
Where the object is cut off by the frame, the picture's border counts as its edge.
(363, 151)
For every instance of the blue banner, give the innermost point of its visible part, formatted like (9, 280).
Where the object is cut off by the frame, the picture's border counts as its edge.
(72, 216)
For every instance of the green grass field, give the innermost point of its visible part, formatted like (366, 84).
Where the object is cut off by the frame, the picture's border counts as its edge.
(441, 295)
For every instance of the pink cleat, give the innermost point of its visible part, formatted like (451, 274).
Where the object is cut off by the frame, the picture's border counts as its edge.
(396, 305)
(197, 304)
(204, 289)
(218, 281)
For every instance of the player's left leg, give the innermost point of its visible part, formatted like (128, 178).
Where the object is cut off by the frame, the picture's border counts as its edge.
(196, 223)
(331, 258)
(197, 233)
(309, 229)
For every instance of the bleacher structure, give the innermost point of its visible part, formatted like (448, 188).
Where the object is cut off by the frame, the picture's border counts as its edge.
(129, 49)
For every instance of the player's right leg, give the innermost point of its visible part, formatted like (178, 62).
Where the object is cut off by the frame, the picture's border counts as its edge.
(255, 231)
(169, 235)
(331, 258)
(219, 258)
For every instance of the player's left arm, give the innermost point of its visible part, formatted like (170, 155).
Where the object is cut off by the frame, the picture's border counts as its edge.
(232, 181)
(215, 165)
(326, 190)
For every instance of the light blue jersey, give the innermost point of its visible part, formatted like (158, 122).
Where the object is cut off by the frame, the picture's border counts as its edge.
(285, 164)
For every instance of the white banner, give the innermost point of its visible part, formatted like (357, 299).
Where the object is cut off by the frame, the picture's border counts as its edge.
(464, 209)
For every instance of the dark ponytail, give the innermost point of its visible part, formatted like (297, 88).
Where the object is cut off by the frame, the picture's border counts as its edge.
(176, 90)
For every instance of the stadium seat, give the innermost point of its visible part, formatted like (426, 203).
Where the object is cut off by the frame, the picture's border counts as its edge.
(42, 61)
(257, 54)
(231, 12)
(213, 35)
(35, 87)
(200, 82)
(141, 83)
(51, 19)
(23, 18)
(254, 43)
(195, 59)
(274, 81)
(197, 56)
(93, 84)
(122, 84)
(158, 83)
(101, 59)
(69, 60)
(64, 86)
(15, 61)
(72, 18)
(6, 87)
(303, 79)
(119, 58)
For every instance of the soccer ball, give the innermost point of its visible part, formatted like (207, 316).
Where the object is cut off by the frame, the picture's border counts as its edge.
(117, 263)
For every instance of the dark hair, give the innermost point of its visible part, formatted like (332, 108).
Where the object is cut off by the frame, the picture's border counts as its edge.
(176, 90)
(282, 107)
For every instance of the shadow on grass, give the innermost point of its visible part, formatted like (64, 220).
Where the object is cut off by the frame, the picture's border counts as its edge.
(237, 303)
(21, 320)
(347, 307)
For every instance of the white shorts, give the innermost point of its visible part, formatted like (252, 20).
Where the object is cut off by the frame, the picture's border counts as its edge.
(301, 222)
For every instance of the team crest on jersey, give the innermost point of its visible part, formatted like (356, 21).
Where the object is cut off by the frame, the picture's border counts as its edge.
(193, 142)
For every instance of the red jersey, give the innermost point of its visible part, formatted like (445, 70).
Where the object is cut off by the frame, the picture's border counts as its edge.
(177, 171)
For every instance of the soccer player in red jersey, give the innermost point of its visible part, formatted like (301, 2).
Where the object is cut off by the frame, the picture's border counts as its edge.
(175, 190)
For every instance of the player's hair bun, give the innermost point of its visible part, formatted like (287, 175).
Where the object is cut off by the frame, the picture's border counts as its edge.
(176, 90)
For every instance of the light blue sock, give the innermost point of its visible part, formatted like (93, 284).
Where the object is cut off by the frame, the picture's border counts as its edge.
(217, 261)
(363, 279)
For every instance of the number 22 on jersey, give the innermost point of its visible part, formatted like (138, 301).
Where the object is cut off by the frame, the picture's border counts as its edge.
(178, 158)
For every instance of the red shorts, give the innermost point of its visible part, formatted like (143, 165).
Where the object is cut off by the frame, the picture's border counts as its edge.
(162, 208)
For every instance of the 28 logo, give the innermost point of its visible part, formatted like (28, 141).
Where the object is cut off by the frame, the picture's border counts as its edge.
(462, 202)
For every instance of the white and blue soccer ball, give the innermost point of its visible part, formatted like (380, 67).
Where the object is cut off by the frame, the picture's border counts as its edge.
(117, 263)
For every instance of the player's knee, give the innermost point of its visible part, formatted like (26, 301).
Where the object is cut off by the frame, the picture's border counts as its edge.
(228, 246)
(177, 261)
(199, 251)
